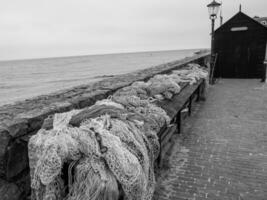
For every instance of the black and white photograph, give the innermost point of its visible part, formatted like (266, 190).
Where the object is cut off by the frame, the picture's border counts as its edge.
(133, 100)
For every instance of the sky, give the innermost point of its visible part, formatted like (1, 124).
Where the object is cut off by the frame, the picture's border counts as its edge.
(54, 28)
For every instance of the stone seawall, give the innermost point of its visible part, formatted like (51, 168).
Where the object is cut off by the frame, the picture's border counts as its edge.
(21, 120)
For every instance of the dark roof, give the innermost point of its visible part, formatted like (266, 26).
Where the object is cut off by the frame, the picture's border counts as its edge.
(241, 14)
(262, 20)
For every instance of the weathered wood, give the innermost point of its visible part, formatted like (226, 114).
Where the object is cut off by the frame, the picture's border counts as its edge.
(174, 109)
(240, 53)
(168, 134)
(179, 121)
(178, 101)
(163, 153)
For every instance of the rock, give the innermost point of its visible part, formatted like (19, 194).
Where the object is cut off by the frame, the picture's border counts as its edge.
(16, 159)
(17, 127)
(100, 94)
(4, 141)
(89, 99)
(34, 118)
(48, 123)
(24, 184)
(82, 101)
(61, 106)
(9, 191)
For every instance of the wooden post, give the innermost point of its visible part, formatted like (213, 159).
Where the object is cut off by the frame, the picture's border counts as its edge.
(264, 67)
(179, 122)
(264, 71)
(190, 105)
(198, 94)
(221, 15)
(212, 48)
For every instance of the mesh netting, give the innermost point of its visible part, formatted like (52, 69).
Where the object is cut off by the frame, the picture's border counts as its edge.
(106, 150)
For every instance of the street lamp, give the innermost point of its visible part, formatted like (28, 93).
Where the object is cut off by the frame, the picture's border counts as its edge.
(213, 11)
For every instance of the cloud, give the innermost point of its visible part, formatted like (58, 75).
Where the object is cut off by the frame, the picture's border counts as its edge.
(37, 28)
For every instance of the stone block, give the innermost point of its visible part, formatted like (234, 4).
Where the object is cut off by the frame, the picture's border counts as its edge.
(34, 118)
(61, 106)
(16, 159)
(99, 95)
(48, 123)
(89, 99)
(9, 191)
(17, 127)
(83, 101)
(5, 140)
(24, 184)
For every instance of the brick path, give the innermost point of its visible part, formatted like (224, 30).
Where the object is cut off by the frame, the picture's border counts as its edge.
(222, 153)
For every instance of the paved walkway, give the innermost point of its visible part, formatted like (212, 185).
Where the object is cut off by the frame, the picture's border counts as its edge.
(222, 153)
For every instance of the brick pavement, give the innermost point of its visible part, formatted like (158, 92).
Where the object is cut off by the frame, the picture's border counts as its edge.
(222, 153)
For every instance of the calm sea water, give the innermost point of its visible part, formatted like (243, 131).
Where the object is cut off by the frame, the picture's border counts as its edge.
(22, 79)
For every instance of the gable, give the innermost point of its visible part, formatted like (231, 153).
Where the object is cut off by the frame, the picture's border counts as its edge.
(241, 21)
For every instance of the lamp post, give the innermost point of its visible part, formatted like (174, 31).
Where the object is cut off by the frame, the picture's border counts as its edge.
(264, 67)
(213, 8)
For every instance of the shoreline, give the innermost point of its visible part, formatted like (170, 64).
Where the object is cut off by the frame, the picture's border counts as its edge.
(115, 53)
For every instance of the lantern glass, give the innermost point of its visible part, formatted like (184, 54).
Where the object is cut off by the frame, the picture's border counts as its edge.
(213, 9)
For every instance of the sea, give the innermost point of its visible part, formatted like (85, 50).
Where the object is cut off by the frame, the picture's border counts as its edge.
(24, 79)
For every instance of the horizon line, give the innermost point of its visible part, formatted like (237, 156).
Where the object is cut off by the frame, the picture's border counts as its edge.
(99, 54)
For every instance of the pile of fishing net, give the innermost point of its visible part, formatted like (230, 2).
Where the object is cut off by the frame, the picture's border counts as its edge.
(165, 86)
(101, 148)
(192, 73)
(106, 151)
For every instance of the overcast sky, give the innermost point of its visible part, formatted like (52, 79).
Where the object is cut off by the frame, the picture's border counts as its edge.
(49, 28)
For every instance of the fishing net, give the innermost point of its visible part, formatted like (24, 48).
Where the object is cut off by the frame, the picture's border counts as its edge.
(93, 180)
(132, 91)
(106, 150)
(128, 158)
(109, 102)
(192, 73)
(95, 111)
(164, 85)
